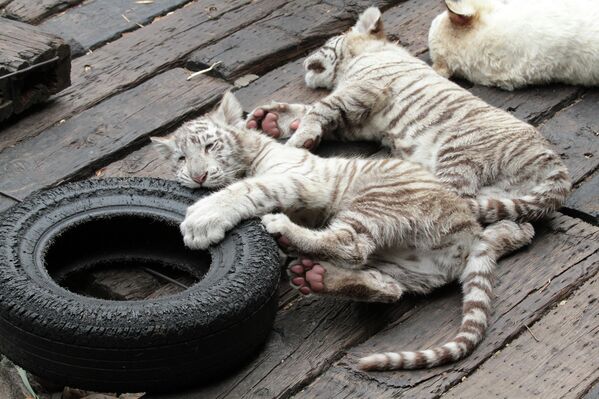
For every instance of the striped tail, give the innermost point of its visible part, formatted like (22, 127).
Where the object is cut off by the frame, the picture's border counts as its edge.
(543, 199)
(497, 240)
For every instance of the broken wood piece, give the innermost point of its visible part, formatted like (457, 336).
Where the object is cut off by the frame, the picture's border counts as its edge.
(33, 65)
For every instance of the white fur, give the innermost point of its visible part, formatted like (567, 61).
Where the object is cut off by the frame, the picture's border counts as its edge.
(513, 43)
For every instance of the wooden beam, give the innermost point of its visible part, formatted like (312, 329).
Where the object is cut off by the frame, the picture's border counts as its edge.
(138, 56)
(554, 358)
(288, 32)
(34, 11)
(33, 65)
(95, 23)
(112, 127)
(585, 198)
(575, 131)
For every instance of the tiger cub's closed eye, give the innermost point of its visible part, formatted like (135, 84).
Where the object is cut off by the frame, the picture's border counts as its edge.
(209, 147)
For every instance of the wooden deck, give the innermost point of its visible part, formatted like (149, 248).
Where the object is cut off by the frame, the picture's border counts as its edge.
(129, 82)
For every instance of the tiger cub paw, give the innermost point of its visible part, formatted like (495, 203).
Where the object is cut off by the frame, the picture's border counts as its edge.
(278, 120)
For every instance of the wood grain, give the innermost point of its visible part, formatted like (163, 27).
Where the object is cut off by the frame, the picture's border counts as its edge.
(138, 56)
(22, 83)
(585, 198)
(563, 256)
(559, 361)
(97, 22)
(76, 146)
(293, 29)
(33, 11)
(575, 132)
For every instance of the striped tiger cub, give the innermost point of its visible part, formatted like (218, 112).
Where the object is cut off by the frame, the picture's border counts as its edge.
(370, 230)
(381, 92)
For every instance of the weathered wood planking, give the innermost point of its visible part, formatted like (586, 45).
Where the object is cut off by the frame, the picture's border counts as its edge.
(138, 56)
(409, 23)
(585, 198)
(291, 30)
(74, 147)
(33, 11)
(95, 23)
(33, 65)
(534, 104)
(559, 361)
(306, 338)
(575, 132)
(564, 254)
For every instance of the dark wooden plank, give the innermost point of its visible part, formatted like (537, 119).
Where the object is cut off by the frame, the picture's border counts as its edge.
(559, 361)
(95, 23)
(74, 147)
(533, 104)
(34, 11)
(575, 132)
(307, 336)
(138, 56)
(585, 198)
(288, 32)
(409, 23)
(564, 255)
(33, 65)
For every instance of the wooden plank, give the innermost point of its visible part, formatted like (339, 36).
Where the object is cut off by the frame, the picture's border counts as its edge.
(306, 338)
(585, 199)
(575, 132)
(95, 23)
(290, 31)
(409, 23)
(139, 56)
(33, 65)
(564, 254)
(34, 11)
(74, 147)
(559, 361)
(534, 104)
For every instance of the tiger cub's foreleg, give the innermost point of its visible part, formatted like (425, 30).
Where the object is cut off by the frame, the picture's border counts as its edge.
(343, 109)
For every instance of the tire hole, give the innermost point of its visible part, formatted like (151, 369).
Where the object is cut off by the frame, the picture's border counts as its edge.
(124, 257)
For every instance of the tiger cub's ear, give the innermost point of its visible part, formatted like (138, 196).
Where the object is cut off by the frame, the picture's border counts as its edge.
(230, 110)
(370, 22)
(461, 12)
(165, 146)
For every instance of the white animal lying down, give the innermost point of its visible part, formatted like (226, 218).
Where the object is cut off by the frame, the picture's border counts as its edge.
(513, 43)
(389, 226)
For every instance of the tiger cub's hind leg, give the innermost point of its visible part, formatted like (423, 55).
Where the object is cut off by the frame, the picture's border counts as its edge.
(278, 120)
(366, 285)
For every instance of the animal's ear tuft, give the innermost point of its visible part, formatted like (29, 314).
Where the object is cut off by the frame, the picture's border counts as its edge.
(230, 110)
(166, 146)
(370, 22)
(461, 12)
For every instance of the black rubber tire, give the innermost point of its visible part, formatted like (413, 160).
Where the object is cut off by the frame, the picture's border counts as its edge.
(129, 346)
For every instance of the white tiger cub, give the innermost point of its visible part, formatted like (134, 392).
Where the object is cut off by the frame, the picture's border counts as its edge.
(385, 226)
(513, 43)
(382, 93)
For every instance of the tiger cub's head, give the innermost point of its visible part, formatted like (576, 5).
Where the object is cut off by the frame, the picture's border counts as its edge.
(324, 66)
(203, 152)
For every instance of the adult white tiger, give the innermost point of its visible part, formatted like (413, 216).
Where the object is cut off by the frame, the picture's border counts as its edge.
(382, 93)
(383, 226)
